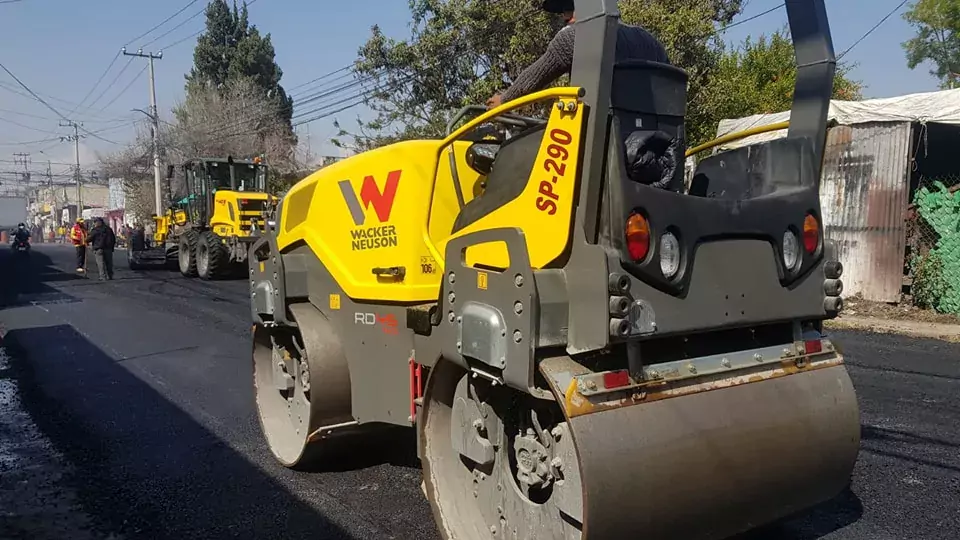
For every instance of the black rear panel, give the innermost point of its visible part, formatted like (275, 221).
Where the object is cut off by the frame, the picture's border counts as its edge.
(754, 192)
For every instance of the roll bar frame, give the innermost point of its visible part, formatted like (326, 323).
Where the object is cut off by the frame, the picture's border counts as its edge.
(593, 62)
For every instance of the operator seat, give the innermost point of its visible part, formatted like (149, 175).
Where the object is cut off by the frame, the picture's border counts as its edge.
(648, 102)
(508, 177)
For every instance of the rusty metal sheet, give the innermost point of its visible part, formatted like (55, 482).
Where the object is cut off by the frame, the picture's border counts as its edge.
(863, 196)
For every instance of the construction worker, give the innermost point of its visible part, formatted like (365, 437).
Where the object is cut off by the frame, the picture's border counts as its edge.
(78, 237)
(103, 240)
(633, 43)
(62, 234)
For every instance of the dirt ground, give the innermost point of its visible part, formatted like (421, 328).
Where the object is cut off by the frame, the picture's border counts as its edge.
(858, 307)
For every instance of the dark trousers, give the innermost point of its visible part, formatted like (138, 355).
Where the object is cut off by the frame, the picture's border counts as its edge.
(104, 263)
(81, 255)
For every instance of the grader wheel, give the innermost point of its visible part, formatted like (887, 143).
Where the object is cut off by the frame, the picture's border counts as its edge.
(187, 253)
(302, 386)
(212, 256)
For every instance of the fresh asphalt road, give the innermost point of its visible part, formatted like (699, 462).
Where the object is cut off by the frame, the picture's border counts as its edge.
(144, 384)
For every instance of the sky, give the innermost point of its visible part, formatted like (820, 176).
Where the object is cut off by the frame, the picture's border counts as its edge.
(60, 48)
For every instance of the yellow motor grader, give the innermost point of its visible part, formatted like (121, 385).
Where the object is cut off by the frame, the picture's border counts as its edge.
(208, 231)
(587, 349)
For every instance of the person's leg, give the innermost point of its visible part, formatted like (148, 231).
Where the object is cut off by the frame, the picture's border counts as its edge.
(101, 256)
(108, 259)
(79, 250)
(101, 264)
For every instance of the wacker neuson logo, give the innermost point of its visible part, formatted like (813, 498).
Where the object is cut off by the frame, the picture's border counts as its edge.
(378, 236)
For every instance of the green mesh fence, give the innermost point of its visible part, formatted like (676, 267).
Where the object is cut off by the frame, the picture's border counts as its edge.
(934, 259)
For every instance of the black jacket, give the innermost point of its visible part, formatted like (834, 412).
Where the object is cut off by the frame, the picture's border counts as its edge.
(102, 237)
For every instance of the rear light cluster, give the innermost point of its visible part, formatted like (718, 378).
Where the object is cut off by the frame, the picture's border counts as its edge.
(639, 237)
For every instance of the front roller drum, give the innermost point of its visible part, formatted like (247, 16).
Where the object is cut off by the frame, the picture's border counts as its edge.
(701, 466)
(302, 385)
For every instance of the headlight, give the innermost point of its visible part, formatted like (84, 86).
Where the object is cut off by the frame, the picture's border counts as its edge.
(791, 250)
(669, 255)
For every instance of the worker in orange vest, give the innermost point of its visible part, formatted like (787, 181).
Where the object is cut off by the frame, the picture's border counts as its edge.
(78, 237)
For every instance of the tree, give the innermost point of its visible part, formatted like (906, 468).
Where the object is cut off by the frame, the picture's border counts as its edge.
(937, 23)
(218, 122)
(231, 48)
(462, 51)
(758, 77)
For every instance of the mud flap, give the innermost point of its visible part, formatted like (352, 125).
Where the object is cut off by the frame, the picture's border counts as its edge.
(476, 334)
(714, 459)
(267, 283)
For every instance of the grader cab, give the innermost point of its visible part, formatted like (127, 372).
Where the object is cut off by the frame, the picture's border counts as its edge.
(587, 349)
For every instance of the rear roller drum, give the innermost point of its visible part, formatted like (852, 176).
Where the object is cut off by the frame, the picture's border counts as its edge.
(302, 386)
(497, 463)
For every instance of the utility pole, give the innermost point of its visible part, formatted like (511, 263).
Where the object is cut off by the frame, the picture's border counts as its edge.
(54, 218)
(155, 117)
(22, 158)
(76, 140)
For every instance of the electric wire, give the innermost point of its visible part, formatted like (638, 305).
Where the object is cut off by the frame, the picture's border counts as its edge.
(112, 83)
(47, 105)
(870, 31)
(185, 21)
(163, 22)
(94, 87)
(125, 88)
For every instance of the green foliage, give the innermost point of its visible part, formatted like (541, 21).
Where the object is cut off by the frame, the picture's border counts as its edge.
(463, 51)
(936, 281)
(937, 23)
(758, 77)
(230, 49)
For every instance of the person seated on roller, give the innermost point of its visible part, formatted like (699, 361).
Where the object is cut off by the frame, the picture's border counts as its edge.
(633, 43)
(652, 157)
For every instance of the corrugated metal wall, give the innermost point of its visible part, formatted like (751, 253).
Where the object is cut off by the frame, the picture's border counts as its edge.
(863, 197)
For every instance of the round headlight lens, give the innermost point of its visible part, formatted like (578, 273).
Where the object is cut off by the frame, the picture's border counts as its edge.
(791, 250)
(669, 255)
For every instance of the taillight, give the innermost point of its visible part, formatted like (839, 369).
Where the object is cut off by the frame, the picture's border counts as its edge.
(637, 232)
(791, 250)
(811, 234)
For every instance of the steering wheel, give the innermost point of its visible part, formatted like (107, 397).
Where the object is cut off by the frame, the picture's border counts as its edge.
(508, 120)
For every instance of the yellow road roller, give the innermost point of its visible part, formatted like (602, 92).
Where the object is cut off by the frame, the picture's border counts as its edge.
(587, 346)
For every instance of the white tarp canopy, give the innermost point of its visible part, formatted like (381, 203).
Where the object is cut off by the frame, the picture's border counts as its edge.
(940, 107)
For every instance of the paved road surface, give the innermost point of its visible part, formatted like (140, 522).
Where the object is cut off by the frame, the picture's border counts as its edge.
(143, 384)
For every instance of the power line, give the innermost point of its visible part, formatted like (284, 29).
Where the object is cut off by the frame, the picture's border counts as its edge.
(114, 60)
(181, 40)
(113, 82)
(17, 91)
(125, 88)
(870, 31)
(754, 17)
(324, 76)
(47, 105)
(15, 123)
(165, 21)
(99, 80)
